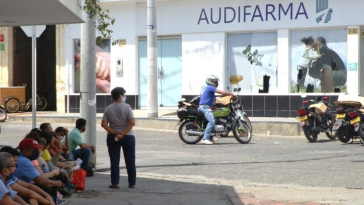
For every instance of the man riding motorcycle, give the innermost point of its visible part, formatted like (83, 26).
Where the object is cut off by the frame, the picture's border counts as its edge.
(207, 102)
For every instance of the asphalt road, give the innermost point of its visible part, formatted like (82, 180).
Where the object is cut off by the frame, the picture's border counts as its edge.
(267, 161)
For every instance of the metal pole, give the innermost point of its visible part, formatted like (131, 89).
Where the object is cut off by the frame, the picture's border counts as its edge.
(34, 78)
(68, 69)
(88, 81)
(152, 95)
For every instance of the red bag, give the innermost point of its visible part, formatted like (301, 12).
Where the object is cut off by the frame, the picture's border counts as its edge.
(79, 178)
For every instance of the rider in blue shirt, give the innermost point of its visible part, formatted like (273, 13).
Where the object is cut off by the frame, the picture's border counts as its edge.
(207, 102)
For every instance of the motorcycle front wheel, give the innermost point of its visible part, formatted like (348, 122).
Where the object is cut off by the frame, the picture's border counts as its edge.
(190, 126)
(361, 131)
(242, 132)
(246, 119)
(342, 135)
(310, 135)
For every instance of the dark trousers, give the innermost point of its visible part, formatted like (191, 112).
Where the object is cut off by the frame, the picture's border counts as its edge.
(114, 148)
(83, 154)
(51, 191)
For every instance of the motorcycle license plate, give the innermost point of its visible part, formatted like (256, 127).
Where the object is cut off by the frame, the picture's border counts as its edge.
(340, 116)
(356, 120)
(337, 124)
(302, 118)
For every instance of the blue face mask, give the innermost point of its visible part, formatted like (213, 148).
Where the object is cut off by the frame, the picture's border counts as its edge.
(123, 98)
(10, 175)
(35, 155)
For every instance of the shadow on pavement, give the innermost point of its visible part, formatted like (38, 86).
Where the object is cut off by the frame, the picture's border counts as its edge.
(151, 191)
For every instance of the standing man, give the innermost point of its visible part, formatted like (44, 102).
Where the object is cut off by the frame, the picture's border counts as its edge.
(207, 102)
(75, 139)
(118, 121)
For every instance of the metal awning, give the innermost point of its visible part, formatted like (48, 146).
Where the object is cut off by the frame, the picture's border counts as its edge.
(39, 12)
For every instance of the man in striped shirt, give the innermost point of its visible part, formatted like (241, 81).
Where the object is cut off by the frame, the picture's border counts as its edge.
(29, 150)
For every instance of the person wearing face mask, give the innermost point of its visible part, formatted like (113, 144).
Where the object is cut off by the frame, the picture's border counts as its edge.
(75, 140)
(6, 163)
(118, 121)
(29, 150)
(62, 133)
(29, 192)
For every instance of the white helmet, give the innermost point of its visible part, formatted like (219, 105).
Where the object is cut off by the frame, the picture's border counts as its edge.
(213, 81)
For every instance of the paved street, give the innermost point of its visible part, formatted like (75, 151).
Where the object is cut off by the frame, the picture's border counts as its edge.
(270, 167)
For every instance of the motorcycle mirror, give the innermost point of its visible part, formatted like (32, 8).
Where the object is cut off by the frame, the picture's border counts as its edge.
(239, 89)
(235, 89)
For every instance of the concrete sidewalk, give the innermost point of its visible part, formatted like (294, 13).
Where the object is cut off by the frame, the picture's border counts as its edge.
(167, 120)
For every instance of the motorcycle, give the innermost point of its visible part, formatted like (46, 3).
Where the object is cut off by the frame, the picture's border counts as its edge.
(315, 119)
(3, 114)
(348, 120)
(228, 116)
(194, 103)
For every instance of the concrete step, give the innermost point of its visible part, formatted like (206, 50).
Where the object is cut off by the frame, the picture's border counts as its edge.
(167, 121)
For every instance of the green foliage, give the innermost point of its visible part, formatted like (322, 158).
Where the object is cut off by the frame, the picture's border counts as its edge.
(253, 57)
(101, 17)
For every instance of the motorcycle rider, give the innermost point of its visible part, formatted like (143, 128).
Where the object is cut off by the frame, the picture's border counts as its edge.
(207, 102)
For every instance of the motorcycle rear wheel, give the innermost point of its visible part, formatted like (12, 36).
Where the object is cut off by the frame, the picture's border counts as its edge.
(342, 135)
(242, 132)
(310, 135)
(188, 138)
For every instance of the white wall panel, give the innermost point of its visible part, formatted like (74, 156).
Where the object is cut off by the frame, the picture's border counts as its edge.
(203, 54)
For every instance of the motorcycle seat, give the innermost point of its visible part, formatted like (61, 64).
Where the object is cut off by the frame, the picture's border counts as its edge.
(196, 113)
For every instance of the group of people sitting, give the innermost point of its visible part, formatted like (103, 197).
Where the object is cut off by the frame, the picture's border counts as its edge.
(37, 170)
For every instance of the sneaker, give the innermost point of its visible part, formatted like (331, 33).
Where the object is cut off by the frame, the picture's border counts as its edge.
(214, 139)
(62, 200)
(207, 142)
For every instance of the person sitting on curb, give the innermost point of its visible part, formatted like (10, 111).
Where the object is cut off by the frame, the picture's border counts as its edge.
(6, 167)
(62, 133)
(29, 150)
(47, 127)
(27, 191)
(75, 139)
(5, 195)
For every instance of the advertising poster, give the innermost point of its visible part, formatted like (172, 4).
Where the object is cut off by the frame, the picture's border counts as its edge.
(103, 68)
(253, 56)
(319, 61)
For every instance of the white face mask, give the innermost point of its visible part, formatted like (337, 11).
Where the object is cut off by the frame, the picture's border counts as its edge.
(123, 98)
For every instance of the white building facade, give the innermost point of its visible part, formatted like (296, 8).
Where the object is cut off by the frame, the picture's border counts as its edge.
(197, 38)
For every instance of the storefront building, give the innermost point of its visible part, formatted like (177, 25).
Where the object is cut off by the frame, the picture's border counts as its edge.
(197, 38)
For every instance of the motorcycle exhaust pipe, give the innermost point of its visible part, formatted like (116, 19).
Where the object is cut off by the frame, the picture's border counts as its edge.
(191, 132)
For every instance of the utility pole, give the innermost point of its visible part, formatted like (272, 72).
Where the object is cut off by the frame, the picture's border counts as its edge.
(88, 80)
(152, 108)
(34, 77)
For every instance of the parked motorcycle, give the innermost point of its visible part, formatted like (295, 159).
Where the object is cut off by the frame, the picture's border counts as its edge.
(348, 120)
(228, 116)
(315, 119)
